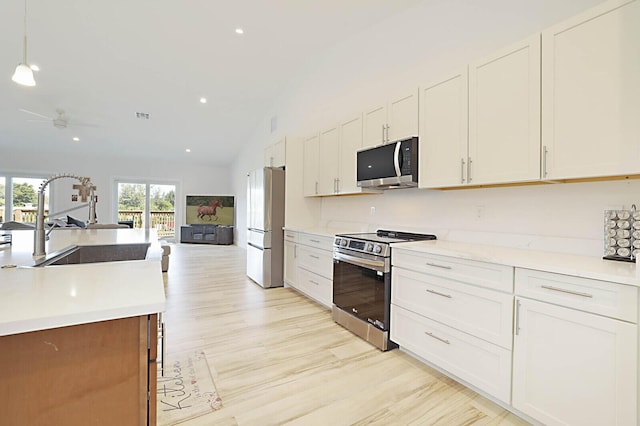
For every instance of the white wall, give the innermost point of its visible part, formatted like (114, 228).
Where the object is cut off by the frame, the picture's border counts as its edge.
(414, 48)
(190, 179)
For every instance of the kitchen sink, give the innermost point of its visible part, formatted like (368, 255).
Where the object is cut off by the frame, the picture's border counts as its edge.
(95, 254)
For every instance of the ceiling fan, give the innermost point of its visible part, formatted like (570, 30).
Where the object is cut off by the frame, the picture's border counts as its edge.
(62, 120)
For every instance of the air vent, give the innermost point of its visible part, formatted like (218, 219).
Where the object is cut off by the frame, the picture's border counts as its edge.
(143, 115)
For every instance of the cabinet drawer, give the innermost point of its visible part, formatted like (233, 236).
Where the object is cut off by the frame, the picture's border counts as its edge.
(599, 297)
(317, 241)
(490, 275)
(291, 236)
(483, 313)
(317, 287)
(314, 260)
(482, 364)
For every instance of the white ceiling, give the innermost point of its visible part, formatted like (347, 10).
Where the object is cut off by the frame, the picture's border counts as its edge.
(103, 61)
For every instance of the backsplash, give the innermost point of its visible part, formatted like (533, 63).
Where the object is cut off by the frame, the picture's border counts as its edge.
(556, 217)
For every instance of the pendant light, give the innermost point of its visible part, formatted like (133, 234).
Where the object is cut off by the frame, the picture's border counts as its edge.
(23, 74)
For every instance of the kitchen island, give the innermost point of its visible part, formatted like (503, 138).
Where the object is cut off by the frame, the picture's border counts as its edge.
(78, 342)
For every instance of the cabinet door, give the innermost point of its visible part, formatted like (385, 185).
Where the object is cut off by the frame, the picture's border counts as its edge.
(279, 153)
(591, 94)
(402, 116)
(268, 156)
(443, 132)
(290, 262)
(328, 161)
(504, 115)
(374, 122)
(350, 143)
(310, 162)
(572, 367)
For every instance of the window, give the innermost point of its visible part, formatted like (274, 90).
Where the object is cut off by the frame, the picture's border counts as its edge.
(147, 205)
(19, 198)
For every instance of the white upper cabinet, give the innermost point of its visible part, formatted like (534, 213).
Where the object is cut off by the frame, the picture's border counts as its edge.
(350, 143)
(275, 154)
(311, 154)
(391, 121)
(591, 93)
(331, 158)
(375, 126)
(328, 160)
(443, 132)
(504, 115)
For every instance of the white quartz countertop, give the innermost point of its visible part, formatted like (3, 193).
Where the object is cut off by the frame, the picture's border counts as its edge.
(323, 232)
(34, 298)
(568, 264)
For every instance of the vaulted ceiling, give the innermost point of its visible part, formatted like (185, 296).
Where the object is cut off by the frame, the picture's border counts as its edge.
(103, 61)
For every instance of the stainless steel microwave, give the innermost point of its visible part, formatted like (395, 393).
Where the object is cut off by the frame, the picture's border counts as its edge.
(394, 165)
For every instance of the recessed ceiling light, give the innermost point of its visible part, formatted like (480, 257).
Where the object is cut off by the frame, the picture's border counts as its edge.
(76, 139)
(239, 31)
(187, 150)
(203, 100)
(34, 67)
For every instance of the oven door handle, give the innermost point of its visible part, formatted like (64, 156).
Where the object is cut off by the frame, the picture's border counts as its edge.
(377, 265)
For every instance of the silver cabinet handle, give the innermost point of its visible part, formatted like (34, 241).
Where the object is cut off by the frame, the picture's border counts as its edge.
(437, 338)
(337, 185)
(383, 139)
(314, 256)
(314, 282)
(335, 182)
(315, 241)
(517, 317)
(462, 170)
(469, 170)
(316, 187)
(387, 133)
(439, 266)
(544, 161)
(439, 294)
(295, 251)
(562, 290)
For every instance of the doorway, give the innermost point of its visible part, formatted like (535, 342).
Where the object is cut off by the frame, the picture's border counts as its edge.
(148, 205)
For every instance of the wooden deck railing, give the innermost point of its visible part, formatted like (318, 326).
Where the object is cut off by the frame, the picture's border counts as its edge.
(163, 222)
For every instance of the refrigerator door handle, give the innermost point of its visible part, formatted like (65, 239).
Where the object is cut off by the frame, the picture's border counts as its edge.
(255, 246)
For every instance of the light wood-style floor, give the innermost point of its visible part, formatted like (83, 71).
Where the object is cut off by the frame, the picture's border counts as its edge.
(277, 357)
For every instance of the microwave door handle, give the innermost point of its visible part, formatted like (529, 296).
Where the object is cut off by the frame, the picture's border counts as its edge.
(396, 159)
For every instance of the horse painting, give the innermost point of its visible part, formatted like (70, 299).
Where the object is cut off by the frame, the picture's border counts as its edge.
(209, 210)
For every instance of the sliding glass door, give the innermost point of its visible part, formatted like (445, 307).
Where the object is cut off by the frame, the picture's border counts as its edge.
(148, 205)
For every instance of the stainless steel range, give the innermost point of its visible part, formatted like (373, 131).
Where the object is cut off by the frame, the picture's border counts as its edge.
(362, 283)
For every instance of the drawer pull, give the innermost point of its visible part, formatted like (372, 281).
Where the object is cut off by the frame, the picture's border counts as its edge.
(314, 256)
(439, 294)
(439, 266)
(576, 293)
(437, 338)
(314, 282)
(315, 241)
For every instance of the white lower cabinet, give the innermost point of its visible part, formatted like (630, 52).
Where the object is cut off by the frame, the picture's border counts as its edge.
(309, 265)
(572, 367)
(476, 361)
(560, 349)
(449, 312)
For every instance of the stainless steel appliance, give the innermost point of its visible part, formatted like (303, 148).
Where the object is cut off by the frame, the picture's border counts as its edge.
(362, 283)
(265, 219)
(394, 165)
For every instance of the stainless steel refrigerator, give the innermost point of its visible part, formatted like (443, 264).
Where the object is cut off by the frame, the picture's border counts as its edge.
(265, 219)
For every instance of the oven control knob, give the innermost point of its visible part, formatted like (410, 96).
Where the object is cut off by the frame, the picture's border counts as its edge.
(337, 242)
(377, 248)
(343, 242)
(369, 247)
